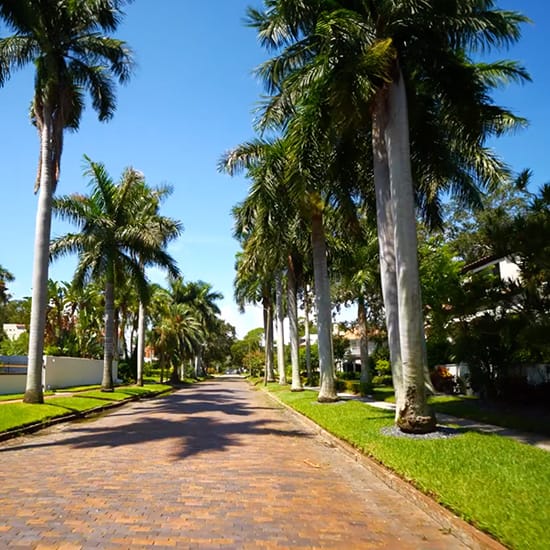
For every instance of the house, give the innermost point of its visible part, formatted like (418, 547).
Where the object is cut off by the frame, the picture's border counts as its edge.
(352, 360)
(14, 330)
(503, 267)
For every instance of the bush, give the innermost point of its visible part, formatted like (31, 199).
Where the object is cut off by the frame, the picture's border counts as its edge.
(443, 381)
(382, 380)
(127, 371)
(348, 386)
(382, 367)
(347, 375)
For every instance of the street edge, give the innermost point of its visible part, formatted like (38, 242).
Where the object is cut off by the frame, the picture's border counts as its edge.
(459, 528)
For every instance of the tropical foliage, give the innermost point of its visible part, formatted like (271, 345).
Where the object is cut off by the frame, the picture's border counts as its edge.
(68, 43)
(364, 97)
(118, 234)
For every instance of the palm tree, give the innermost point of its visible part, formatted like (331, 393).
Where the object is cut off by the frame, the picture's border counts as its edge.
(176, 331)
(116, 239)
(354, 59)
(200, 297)
(67, 43)
(166, 231)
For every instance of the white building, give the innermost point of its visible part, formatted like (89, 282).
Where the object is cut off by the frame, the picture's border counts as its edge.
(14, 330)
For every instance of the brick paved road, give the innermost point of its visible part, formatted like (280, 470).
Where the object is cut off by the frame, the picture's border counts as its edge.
(217, 465)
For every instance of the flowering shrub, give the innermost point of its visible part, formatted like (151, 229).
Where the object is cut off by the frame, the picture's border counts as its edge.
(442, 380)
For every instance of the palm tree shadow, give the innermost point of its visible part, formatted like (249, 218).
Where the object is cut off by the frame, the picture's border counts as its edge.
(200, 430)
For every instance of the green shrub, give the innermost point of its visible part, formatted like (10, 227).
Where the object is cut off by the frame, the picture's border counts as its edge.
(347, 375)
(382, 367)
(127, 371)
(348, 386)
(382, 380)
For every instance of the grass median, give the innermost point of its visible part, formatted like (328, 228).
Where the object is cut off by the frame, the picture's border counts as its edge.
(499, 485)
(19, 415)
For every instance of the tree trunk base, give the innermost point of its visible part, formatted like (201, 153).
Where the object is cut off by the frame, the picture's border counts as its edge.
(412, 423)
(107, 390)
(33, 397)
(327, 399)
(297, 388)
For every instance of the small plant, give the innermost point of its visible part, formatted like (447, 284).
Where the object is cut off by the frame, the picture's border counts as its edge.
(383, 380)
(442, 380)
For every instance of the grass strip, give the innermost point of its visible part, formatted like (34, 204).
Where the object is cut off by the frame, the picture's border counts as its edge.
(19, 415)
(497, 484)
(473, 408)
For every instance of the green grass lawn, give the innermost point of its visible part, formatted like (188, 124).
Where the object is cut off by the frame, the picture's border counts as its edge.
(16, 415)
(12, 396)
(499, 485)
(475, 409)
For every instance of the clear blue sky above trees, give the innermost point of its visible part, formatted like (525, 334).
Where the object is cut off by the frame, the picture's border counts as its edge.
(191, 98)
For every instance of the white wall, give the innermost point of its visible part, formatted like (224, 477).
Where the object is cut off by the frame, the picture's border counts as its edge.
(12, 383)
(62, 372)
(509, 271)
(58, 372)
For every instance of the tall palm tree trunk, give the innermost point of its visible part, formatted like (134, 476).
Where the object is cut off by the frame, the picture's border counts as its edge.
(386, 234)
(327, 390)
(280, 329)
(34, 391)
(413, 413)
(107, 382)
(307, 338)
(363, 341)
(197, 368)
(140, 343)
(293, 327)
(268, 331)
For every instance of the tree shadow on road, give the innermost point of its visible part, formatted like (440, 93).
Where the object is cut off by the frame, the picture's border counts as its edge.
(191, 419)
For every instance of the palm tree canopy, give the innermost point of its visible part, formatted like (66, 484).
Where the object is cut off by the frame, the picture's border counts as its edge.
(119, 230)
(339, 56)
(67, 43)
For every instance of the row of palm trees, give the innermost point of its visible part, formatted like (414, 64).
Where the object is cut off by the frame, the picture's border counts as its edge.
(68, 44)
(120, 230)
(375, 112)
(119, 233)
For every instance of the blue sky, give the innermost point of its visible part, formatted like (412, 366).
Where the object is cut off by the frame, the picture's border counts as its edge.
(191, 98)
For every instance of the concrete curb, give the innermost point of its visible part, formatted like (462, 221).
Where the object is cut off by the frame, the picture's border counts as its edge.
(465, 532)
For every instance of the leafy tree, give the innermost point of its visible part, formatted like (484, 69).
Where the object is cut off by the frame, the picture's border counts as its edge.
(5, 277)
(217, 353)
(18, 311)
(498, 323)
(19, 346)
(441, 281)
(68, 44)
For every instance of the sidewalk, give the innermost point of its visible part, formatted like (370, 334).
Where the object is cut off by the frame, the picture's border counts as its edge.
(216, 465)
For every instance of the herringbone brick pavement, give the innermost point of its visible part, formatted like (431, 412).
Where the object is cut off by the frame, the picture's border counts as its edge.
(216, 465)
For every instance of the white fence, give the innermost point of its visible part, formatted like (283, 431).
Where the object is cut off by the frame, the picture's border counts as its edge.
(57, 372)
